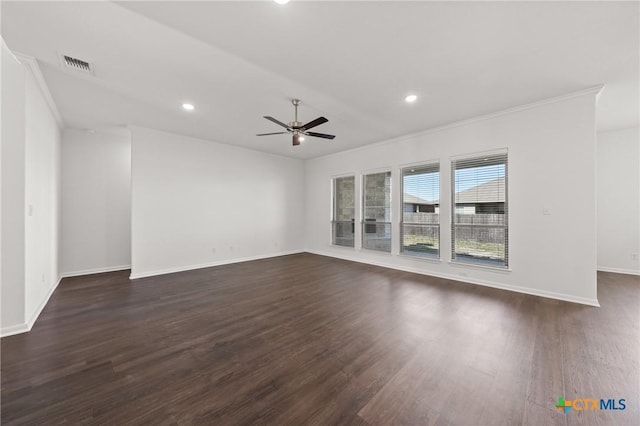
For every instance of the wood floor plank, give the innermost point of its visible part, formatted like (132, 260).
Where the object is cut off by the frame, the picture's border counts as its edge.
(545, 382)
(307, 339)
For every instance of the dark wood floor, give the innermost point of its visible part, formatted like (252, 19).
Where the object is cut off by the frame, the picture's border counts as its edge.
(306, 339)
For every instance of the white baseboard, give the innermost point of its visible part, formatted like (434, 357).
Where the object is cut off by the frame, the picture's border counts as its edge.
(619, 270)
(14, 329)
(134, 276)
(24, 327)
(42, 304)
(94, 271)
(524, 290)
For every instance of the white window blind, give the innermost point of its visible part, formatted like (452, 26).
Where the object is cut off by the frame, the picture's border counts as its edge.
(376, 220)
(343, 222)
(479, 226)
(420, 225)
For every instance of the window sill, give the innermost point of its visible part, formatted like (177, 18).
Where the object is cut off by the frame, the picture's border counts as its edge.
(421, 258)
(366, 250)
(474, 266)
(342, 247)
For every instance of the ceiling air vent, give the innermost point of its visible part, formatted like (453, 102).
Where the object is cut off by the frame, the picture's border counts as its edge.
(77, 64)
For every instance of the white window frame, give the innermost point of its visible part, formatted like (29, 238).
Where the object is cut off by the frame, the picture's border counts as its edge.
(334, 221)
(434, 164)
(367, 223)
(492, 157)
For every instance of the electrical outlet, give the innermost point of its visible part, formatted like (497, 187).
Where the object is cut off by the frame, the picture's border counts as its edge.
(635, 256)
(213, 250)
(230, 248)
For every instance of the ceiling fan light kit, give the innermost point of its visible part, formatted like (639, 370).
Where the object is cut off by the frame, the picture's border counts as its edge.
(298, 129)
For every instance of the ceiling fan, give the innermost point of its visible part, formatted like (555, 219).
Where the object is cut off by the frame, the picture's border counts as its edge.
(296, 128)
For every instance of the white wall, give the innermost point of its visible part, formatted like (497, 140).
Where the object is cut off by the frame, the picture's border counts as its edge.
(42, 182)
(197, 203)
(618, 179)
(30, 194)
(96, 202)
(551, 165)
(13, 218)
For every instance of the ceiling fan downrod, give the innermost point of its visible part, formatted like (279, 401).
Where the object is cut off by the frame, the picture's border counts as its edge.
(295, 123)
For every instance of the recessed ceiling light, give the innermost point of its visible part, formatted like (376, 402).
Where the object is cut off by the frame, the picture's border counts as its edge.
(411, 98)
(281, 1)
(188, 107)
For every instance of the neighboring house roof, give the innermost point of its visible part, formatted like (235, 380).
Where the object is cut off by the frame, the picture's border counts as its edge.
(488, 192)
(412, 199)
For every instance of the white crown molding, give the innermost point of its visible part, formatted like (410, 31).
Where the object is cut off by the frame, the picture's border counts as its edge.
(595, 90)
(619, 129)
(32, 63)
(4, 46)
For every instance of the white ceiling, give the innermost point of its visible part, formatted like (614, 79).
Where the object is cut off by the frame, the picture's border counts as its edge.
(351, 61)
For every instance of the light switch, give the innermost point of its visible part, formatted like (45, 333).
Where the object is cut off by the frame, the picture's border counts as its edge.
(30, 210)
(546, 211)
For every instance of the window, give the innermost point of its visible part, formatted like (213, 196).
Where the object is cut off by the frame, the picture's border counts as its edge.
(479, 228)
(420, 225)
(376, 220)
(343, 223)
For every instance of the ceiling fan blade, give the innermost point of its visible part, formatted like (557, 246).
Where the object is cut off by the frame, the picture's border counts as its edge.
(296, 139)
(279, 123)
(320, 135)
(318, 121)
(276, 133)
